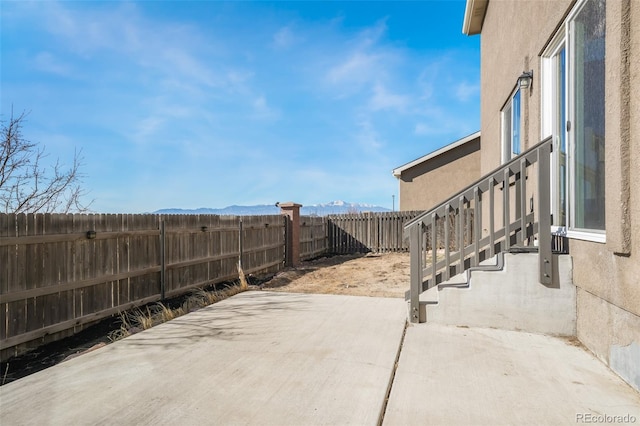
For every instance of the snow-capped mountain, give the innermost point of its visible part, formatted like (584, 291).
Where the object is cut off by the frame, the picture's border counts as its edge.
(340, 207)
(323, 209)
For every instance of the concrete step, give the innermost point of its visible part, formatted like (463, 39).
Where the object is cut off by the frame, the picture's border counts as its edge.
(508, 298)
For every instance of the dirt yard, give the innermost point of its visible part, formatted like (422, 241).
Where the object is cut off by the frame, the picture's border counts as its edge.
(375, 275)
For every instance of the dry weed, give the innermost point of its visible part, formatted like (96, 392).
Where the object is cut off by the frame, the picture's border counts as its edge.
(243, 280)
(206, 298)
(138, 319)
(4, 378)
(144, 320)
(167, 314)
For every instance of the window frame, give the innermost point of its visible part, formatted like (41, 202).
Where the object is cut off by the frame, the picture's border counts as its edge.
(564, 38)
(548, 117)
(507, 118)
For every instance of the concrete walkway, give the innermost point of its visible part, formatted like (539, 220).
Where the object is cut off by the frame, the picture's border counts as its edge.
(295, 359)
(259, 358)
(450, 375)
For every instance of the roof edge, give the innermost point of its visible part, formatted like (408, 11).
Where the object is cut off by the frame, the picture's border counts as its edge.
(474, 13)
(398, 170)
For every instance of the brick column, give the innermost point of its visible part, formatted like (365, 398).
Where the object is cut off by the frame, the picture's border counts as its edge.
(292, 211)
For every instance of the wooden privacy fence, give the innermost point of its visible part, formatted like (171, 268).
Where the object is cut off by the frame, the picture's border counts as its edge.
(313, 237)
(453, 231)
(60, 272)
(381, 232)
(368, 232)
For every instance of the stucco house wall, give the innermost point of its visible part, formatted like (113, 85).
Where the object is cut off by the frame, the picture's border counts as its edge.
(507, 51)
(427, 183)
(607, 275)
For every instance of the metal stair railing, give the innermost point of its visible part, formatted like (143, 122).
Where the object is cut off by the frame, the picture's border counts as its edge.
(462, 245)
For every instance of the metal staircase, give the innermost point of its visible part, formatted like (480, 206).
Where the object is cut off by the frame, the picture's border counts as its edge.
(493, 215)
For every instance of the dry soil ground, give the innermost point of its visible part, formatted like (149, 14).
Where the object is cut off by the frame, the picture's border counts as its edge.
(376, 275)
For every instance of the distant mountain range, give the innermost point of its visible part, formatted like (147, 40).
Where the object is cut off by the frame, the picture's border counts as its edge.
(334, 207)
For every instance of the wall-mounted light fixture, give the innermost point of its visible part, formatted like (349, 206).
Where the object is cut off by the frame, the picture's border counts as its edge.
(91, 235)
(524, 81)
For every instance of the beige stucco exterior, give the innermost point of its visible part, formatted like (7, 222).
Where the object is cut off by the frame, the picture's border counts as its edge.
(607, 275)
(428, 182)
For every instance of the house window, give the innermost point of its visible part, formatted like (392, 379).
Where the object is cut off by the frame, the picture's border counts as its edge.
(511, 127)
(554, 123)
(573, 113)
(587, 34)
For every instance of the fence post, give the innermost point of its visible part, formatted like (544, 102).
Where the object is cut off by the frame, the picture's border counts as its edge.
(163, 260)
(292, 212)
(240, 243)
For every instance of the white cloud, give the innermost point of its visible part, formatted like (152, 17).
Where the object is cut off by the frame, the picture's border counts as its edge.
(465, 91)
(237, 81)
(284, 38)
(455, 125)
(175, 50)
(262, 110)
(179, 89)
(422, 129)
(179, 63)
(363, 61)
(382, 99)
(434, 76)
(260, 103)
(438, 128)
(367, 138)
(86, 32)
(435, 120)
(372, 35)
(47, 62)
(358, 67)
(189, 67)
(147, 128)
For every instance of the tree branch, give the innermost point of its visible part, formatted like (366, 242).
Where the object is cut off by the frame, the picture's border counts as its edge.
(28, 187)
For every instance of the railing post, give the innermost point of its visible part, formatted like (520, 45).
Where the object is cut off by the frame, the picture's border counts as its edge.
(434, 248)
(492, 204)
(544, 219)
(477, 225)
(447, 242)
(523, 201)
(506, 207)
(415, 244)
(461, 226)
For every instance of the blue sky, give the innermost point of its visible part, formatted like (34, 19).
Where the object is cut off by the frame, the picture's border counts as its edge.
(208, 104)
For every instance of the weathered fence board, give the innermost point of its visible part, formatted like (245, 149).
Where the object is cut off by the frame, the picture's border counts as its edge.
(313, 237)
(54, 279)
(368, 232)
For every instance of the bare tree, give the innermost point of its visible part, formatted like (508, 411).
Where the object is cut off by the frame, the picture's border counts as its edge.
(26, 186)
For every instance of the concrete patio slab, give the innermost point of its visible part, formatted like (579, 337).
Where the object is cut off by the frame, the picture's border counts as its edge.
(264, 358)
(451, 375)
(256, 358)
